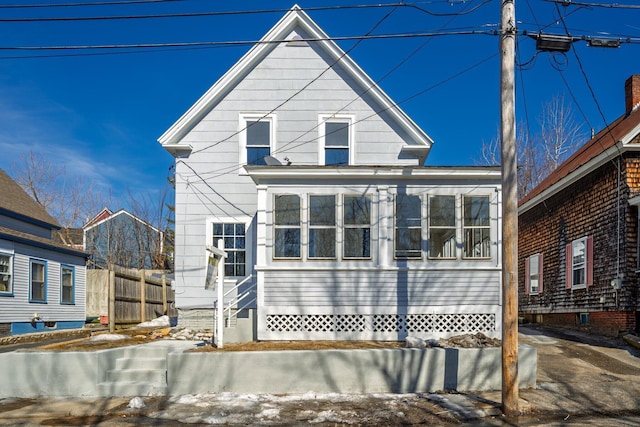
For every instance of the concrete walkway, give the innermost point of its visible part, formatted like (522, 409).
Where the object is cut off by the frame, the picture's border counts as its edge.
(581, 380)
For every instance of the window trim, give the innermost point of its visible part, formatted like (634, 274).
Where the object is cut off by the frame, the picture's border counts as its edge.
(279, 227)
(464, 228)
(335, 118)
(73, 284)
(8, 292)
(455, 227)
(247, 242)
(242, 135)
(345, 227)
(322, 227)
(33, 261)
(588, 263)
(420, 227)
(528, 290)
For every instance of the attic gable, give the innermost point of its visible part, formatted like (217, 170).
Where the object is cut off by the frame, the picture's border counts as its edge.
(14, 201)
(296, 27)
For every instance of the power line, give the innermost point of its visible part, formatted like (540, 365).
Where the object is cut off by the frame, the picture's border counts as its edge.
(97, 3)
(588, 4)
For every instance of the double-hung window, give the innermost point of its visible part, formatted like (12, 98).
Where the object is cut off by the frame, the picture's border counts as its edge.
(335, 140)
(476, 224)
(579, 265)
(38, 281)
(322, 227)
(67, 284)
(286, 222)
(357, 227)
(442, 227)
(233, 236)
(257, 134)
(533, 274)
(6, 268)
(408, 233)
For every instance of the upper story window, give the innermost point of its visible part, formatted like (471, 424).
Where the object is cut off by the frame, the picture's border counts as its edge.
(408, 230)
(533, 274)
(579, 268)
(476, 224)
(257, 138)
(286, 223)
(233, 236)
(38, 281)
(322, 227)
(335, 140)
(6, 269)
(67, 284)
(442, 227)
(357, 227)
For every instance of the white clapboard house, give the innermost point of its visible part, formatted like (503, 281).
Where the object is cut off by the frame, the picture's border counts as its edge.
(334, 228)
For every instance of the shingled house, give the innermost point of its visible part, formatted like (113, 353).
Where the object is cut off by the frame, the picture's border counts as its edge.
(42, 282)
(578, 233)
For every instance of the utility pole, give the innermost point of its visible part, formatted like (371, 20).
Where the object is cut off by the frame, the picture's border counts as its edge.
(509, 211)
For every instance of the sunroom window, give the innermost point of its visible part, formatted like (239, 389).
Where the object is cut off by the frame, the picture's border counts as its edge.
(286, 223)
(357, 227)
(408, 233)
(442, 227)
(476, 227)
(322, 227)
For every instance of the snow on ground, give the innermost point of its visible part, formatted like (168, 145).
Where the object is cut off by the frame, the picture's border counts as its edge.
(309, 408)
(108, 337)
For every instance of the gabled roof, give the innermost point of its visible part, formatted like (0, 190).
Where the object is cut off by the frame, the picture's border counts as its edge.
(113, 216)
(15, 202)
(40, 242)
(104, 213)
(293, 19)
(608, 143)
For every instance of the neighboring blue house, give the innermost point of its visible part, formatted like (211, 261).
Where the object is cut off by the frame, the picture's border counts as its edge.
(42, 282)
(314, 179)
(123, 239)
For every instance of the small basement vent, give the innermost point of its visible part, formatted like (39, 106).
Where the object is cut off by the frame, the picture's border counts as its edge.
(394, 323)
(297, 41)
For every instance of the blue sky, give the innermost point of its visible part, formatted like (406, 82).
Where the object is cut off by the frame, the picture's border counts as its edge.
(99, 112)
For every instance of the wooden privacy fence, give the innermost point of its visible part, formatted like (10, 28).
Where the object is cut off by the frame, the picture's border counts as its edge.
(128, 296)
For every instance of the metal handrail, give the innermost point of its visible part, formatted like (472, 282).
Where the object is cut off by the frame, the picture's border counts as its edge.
(237, 298)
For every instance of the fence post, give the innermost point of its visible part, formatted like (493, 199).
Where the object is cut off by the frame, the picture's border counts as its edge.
(143, 296)
(111, 313)
(165, 309)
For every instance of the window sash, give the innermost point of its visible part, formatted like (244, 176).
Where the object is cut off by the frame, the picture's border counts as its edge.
(5, 273)
(37, 281)
(534, 274)
(67, 280)
(476, 224)
(287, 226)
(357, 227)
(442, 227)
(234, 237)
(408, 233)
(322, 227)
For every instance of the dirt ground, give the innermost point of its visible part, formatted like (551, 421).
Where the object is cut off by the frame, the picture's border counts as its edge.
(136, 336)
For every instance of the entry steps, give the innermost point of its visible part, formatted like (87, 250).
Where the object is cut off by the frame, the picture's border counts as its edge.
(140, 371)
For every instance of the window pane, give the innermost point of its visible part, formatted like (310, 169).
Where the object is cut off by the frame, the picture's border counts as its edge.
(578, 277)
(217, 229)
(476, 211)
(322, 210)
(258, 133)
(336, 156)
(240, 242)
(255, 156)
(37, 282)
(357, 210)
(477, 243)
(442, 243)
(287, 210)
(442, 211)
(357, 242)
(578, 252)
(408, 242)
(287, 243)
(408, 211)
(233, 236)
(239, 229)
(336, 134)
(5, 283)
(229, 229)
(322, 243)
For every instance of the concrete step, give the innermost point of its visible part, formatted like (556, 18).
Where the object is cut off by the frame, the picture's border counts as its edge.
(141, 363)
(135, 375)
(146, 351)
(138, 388)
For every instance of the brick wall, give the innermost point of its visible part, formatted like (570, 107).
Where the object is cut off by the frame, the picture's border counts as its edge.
(588, 207)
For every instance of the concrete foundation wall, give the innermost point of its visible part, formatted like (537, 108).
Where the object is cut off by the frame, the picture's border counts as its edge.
(64, 374)
(345, 371)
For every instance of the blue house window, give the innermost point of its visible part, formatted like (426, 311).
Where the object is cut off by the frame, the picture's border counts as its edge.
(6, 268)
(67, 284)
(38, 281)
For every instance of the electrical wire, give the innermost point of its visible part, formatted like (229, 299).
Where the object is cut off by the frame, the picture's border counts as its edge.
(96, 3)
(588, 4)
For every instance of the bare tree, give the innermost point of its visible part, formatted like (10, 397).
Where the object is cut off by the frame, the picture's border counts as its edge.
(539, 155)
(69, 200)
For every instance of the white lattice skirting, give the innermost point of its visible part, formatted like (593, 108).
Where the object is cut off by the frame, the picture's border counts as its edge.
(383, 323)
